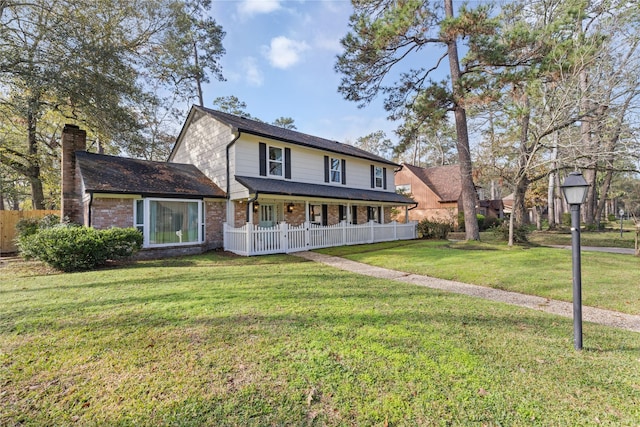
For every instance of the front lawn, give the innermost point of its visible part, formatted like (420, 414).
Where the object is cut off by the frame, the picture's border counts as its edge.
(609, 281)
(275, 340)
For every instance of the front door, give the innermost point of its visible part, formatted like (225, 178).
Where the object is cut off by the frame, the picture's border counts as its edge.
(267, 216)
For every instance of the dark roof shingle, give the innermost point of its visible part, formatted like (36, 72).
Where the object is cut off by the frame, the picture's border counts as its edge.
(266, 130)
(120, 175)
(445, 181)
(289, 188)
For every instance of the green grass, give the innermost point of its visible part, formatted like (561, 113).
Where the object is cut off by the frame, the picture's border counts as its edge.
(609, 281)
(587, 238)
(222, 340)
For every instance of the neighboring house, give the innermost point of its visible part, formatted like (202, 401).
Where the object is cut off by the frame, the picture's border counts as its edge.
(438, 193)
(237, 183)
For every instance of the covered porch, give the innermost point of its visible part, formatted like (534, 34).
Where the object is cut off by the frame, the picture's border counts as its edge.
(284, 217)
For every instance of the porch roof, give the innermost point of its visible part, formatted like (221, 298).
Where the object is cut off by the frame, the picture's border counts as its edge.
(300, 189)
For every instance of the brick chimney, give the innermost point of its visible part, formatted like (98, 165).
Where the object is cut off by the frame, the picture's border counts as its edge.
(73, 139)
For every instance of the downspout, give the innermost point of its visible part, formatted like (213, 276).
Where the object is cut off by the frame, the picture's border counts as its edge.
(90, 206)
(233, 141)
(250, 204)
(228, 165)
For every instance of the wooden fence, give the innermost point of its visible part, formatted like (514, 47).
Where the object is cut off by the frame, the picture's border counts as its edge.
(8, 221)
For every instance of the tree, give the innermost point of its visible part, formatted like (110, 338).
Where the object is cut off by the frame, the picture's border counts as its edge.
(81, 62)
(284, 122)
(376, 143)
(383, 35)
(232, 105)
(190, 48)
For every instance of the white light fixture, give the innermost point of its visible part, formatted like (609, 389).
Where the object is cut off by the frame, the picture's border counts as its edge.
(575, 188)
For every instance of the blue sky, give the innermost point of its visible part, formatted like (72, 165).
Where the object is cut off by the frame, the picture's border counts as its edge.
(279, 60)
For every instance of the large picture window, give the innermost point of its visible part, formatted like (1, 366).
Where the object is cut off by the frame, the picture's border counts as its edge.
(169, 221)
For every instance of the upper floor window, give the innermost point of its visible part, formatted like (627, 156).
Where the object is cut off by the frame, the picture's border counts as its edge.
(379, 177)
(336, 170)
(276, 161)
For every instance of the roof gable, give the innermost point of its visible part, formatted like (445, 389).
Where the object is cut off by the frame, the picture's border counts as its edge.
(445, 181)
(266, 130)
(120, 175)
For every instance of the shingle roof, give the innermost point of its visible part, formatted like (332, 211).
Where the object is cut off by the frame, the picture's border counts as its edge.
(110, 174)
(278, 186)
(266, 130)
(445, 181)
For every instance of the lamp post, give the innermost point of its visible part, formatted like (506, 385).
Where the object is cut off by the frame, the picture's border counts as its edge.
(621, 218)
(575, 189)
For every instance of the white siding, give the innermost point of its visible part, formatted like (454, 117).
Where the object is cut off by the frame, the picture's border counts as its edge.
(307, 164)
(203, 144)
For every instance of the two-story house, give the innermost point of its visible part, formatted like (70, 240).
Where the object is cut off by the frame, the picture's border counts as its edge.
(279, 190)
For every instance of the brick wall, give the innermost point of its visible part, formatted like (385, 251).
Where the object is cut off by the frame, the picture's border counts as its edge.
(215, 216)
(107, 213)
(73, 139)
(297, 216)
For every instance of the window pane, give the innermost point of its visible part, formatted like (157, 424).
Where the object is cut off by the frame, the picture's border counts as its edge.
(173, 222)
(275, 153)
(275, 168)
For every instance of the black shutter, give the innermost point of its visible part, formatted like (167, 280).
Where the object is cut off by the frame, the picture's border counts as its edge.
(340, 212)
(344, 172)
(287, 163)
(354, 214)
(325, 214)
(379, 214)
(373, 176)
(326, 168)
(368, 213)
(384, 178)
(263, 159)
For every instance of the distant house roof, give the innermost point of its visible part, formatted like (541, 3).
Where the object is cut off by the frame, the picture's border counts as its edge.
(120, 175)
(445, 181)
(266, 130)
(278, 186)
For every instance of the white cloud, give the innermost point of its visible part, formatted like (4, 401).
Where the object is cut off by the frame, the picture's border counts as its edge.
(252, 73)
(256, 7)
(283, 52)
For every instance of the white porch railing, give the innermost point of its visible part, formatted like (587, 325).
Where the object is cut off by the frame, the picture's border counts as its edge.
(252, 239)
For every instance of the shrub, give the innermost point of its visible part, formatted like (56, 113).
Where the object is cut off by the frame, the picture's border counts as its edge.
(74, 248)
(483, 222)
(434, 229)
(27, 227)
(520, 234)
(491, 222)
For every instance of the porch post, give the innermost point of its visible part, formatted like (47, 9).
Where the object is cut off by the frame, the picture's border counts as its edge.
(349, 219)
(306, 211)
(382, 214)
(284, 237)
(406, 214)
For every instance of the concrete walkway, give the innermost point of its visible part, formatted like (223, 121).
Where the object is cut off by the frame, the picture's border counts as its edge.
(561, 308)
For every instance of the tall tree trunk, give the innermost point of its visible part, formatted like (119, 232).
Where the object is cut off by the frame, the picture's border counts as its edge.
(33, 170)
(472, 231)
(198, 78)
